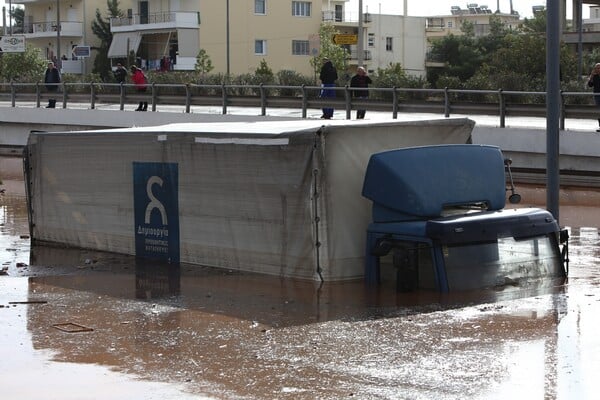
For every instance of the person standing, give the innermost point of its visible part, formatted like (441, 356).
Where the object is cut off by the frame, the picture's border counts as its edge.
(594, 82)
(140, 82)
(120, 73)
(328, 76)
(51, 79)
(360, 80)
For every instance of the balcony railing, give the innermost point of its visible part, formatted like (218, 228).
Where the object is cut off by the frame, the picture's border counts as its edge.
(366, 54)
(345, 17)
(171, 18)
(43, 28)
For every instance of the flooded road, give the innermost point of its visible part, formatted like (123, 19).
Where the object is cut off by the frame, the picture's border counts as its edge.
(90, 325)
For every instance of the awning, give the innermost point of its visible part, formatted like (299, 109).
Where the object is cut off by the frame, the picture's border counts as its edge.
(123, 43)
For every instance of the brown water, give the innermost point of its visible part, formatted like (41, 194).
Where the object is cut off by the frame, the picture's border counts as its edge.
(90, 325)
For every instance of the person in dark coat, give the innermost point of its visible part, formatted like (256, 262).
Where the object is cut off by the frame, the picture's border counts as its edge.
(120, 73)
(594, 82)
(328, 76)
(51, 79)
(360, 80)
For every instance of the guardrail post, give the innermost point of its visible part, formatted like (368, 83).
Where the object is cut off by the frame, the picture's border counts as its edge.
(64, 96)
(13, 95)
(304, 101)
(263, 101)
(224, 96)
(502, 108)
(561, 123)
(348, 101)
(92, 95)
(38, 95)
(446, 102)
(394, 103)
(122, 97)
(153, 89)
(188, 98)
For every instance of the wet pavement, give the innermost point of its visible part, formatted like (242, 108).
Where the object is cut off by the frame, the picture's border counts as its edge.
(88, 325)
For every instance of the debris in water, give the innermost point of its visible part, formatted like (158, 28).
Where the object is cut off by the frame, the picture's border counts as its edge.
(71, 327)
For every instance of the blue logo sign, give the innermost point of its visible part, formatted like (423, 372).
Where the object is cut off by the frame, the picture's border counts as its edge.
(156, 210)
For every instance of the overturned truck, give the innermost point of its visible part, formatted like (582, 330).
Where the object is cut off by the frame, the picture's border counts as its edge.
(274, 197)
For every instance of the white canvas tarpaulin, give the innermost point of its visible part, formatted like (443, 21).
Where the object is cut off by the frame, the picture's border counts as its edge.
(280, 198)
(123, 43)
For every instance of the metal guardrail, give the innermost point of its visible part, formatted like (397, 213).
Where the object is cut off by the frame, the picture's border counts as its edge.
(499, 103)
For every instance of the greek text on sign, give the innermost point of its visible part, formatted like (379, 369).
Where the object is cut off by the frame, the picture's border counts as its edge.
(12, 44)
(345, 39)
(81, 51)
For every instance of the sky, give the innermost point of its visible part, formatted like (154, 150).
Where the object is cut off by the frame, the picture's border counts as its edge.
(423, 8)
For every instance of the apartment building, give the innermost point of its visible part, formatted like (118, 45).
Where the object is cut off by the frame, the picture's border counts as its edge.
(236, 35)
(74, 17)
(478, 15)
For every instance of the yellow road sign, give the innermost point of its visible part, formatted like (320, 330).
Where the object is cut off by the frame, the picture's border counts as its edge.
(340, 39)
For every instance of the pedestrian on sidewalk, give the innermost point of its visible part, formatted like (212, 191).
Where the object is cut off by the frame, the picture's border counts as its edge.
(594, 82)
(51, 79)
(328, 75)
(141, 84)
(360, 80)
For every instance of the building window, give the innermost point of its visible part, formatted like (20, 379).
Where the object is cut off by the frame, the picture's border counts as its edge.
(371, 40)
(301, 8)
(300, 47)
(260, 47)
(388, 44)
(449, 24)
(260, 7)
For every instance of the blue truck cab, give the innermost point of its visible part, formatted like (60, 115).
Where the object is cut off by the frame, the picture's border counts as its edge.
(439, 213)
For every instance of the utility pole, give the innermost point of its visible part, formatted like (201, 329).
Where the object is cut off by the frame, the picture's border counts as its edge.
(58, 55)
(227, 39)
(553, 32)
(360, 46)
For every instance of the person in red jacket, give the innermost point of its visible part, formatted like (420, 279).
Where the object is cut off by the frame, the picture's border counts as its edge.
(141, 83)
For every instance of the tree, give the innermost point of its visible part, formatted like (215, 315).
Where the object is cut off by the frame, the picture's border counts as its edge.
(101, 28)
(462, 55)
(28, 66)
(17, 14)
(337, 54)
(203, 64)
(264, 74)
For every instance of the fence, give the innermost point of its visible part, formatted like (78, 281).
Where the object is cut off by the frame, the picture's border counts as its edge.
(501, 103)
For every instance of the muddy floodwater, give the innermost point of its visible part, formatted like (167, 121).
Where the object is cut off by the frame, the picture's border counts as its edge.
(89, 325)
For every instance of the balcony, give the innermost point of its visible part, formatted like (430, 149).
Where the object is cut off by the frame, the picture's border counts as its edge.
(48, 29)
(350, 18)
(354, 54)
(588, 37)
(155, 21)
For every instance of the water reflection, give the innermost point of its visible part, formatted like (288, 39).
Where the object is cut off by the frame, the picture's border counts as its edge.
(269, 300)
(155, 280)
